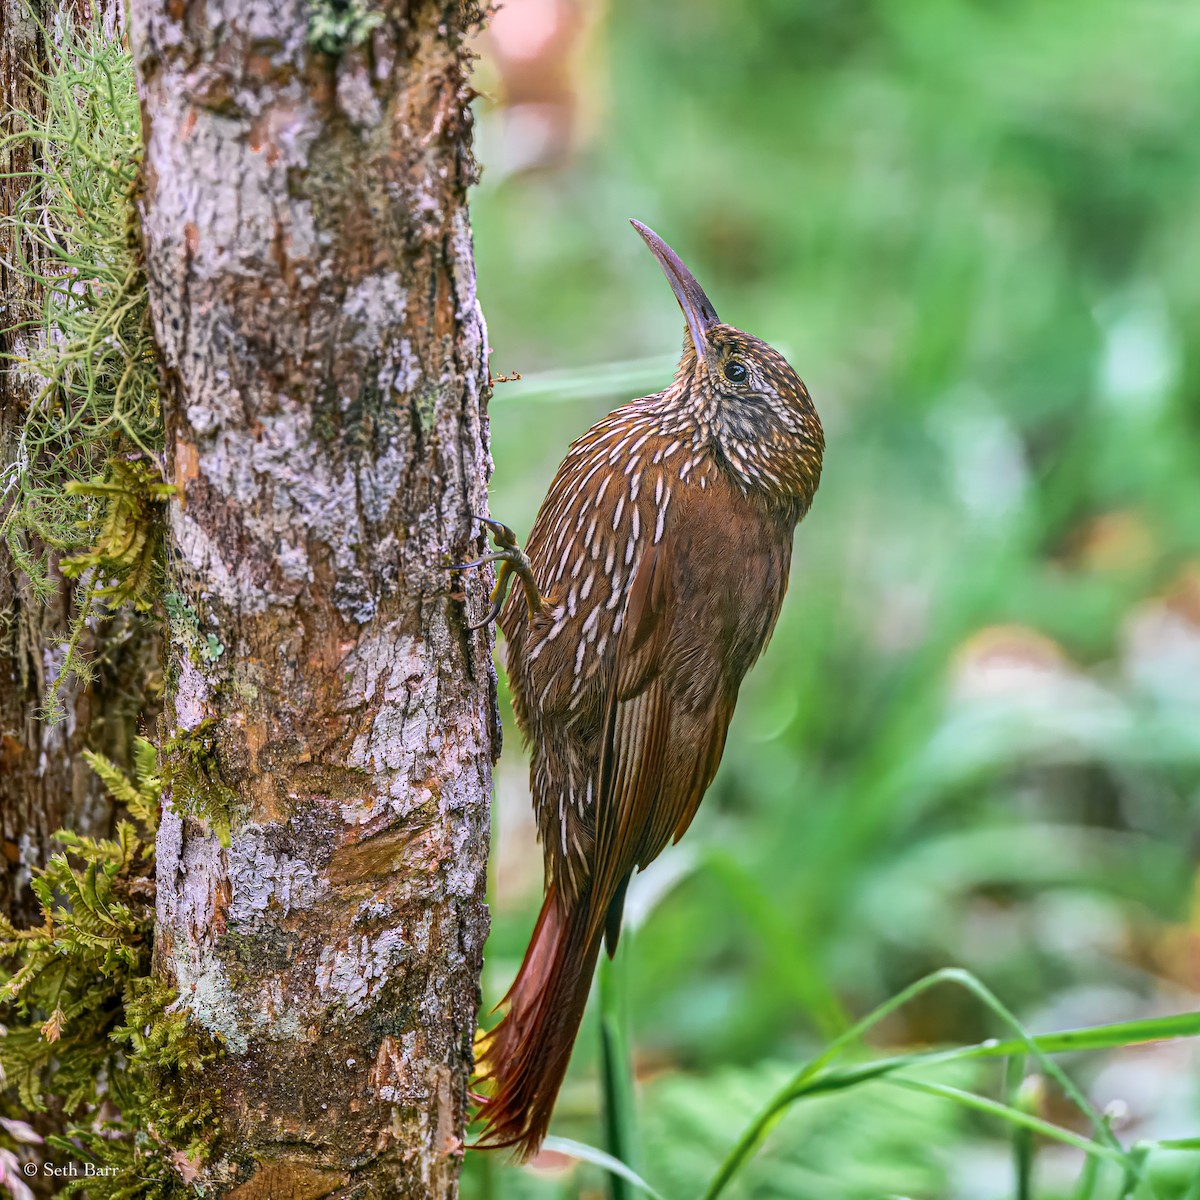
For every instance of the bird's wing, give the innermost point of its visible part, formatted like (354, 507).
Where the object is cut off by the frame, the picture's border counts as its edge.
(658, 753)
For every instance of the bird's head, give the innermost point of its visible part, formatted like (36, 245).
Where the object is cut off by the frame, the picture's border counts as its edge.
(754, 407)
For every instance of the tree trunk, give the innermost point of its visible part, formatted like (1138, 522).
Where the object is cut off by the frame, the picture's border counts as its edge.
(329, 716)
(45, 784)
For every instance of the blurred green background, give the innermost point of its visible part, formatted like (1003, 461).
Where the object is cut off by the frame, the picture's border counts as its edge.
(974, 227)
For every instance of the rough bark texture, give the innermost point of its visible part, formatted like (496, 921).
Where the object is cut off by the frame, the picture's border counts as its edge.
(312, 285)
(44, 782)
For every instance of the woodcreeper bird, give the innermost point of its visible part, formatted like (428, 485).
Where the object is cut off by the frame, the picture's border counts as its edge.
(652, 579)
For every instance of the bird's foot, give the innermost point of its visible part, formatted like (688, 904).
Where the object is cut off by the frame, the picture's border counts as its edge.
(513, 561)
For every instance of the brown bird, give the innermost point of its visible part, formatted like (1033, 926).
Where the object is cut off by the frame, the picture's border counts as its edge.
(653, 577)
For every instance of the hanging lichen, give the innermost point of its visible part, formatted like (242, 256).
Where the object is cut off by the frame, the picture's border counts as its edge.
(81, 481)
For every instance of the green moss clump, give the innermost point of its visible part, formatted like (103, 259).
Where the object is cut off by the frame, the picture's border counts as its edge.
(91, 1037)
(81, 478)
(334, 26)
(194, 779)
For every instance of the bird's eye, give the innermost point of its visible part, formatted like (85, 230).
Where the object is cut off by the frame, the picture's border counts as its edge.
(735, 371)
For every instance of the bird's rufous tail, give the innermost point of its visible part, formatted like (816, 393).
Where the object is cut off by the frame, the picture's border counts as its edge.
(524, 1058)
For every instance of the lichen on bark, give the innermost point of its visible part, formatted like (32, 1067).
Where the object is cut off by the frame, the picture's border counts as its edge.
(323, 356)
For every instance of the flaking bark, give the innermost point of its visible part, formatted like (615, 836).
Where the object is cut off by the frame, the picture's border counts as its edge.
(312, 286)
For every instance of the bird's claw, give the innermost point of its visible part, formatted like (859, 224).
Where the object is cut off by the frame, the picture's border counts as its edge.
(502, 533)
(513, 561)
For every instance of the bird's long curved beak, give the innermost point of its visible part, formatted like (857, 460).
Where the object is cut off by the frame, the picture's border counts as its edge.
(697, 307)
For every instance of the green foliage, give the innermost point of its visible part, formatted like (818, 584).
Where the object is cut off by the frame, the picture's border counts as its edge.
(95, 898)
(127, 540)
(335, 26)
(159, 1137)
(819, 1077)
(140, 799)
(81, 478)
(91, 1036)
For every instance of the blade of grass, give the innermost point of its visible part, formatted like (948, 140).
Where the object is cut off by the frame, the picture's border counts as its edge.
(488, 1180)
(1014, 1116)
(615, 1070)
(1085, 1189)
(619, 377)
(1024, 1093)
(1133, 1172)
(598, 1158)
(1098, 1037)
(589, 382)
